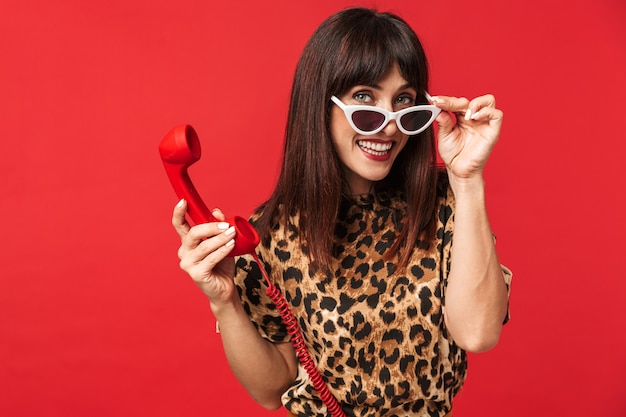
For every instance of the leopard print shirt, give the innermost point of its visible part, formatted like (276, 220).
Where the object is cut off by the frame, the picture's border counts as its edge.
(377, 336)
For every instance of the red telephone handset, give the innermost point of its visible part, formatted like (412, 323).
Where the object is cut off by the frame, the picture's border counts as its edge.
(179, 149)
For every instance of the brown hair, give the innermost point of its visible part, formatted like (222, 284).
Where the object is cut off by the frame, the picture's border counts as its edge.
(353, 46)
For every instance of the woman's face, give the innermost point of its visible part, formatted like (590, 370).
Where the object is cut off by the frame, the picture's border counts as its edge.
(367, 159)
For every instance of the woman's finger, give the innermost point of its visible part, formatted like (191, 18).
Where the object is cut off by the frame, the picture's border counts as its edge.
(178, 219)
(491, 116)
(463, 106)
(487, 113)
(453, 108)
(207, 265)
(474, 106)
(200, 261)
(204, 239)
(451, 104)
(217, 213)
(446, 123)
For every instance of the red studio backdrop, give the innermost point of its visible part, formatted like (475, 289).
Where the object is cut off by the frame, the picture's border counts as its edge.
(96, 318)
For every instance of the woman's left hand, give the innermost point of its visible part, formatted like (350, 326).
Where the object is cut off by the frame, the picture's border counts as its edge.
(467, 138)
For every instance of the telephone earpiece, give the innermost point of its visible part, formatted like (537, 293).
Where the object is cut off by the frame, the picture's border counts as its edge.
(179, 149)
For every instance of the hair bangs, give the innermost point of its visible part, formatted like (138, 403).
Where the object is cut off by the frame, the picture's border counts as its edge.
(370, 49)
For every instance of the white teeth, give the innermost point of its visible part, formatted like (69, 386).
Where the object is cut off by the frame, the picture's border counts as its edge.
(375, 148)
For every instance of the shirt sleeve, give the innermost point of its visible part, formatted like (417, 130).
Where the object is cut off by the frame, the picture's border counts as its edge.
(508, 275)
(257, 303)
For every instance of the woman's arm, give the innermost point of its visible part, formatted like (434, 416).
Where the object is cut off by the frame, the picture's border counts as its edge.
(476, 296)
(265, 369)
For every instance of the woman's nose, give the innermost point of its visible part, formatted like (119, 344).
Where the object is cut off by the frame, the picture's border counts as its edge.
(391, 127)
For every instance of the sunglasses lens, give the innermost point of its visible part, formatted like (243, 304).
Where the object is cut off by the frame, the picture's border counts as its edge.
(415, 120)
(367, 120)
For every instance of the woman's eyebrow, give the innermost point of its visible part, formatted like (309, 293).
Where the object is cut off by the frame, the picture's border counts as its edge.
(364, 85)
(378, 87)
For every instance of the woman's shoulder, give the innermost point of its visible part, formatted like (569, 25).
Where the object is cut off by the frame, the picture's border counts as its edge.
(275, 225)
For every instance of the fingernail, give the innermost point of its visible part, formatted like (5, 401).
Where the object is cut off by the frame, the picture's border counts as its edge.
(230, 230)
(181, 203)
(436, 99)
(223, 225)
(475, 115)
(468, 114)
(230, 242)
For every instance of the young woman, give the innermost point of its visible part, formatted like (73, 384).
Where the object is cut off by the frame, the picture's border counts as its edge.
(386, 260)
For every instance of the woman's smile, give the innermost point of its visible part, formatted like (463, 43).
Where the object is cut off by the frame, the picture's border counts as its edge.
(375, 148)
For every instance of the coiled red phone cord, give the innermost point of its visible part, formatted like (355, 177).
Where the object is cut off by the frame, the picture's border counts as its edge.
(298, 342)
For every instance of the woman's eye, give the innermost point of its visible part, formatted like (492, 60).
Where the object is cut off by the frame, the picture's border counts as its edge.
(362, 97)
(405, 100)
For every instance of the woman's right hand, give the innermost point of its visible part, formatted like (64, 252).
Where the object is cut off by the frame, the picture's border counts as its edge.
(203, 254)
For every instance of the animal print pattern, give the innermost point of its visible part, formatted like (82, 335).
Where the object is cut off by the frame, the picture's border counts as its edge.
(377, 336)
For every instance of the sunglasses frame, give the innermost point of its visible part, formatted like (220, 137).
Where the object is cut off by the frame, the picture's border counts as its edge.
(348, 110)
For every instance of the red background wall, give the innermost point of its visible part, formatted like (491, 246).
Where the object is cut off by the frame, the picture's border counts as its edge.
(96, 319)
